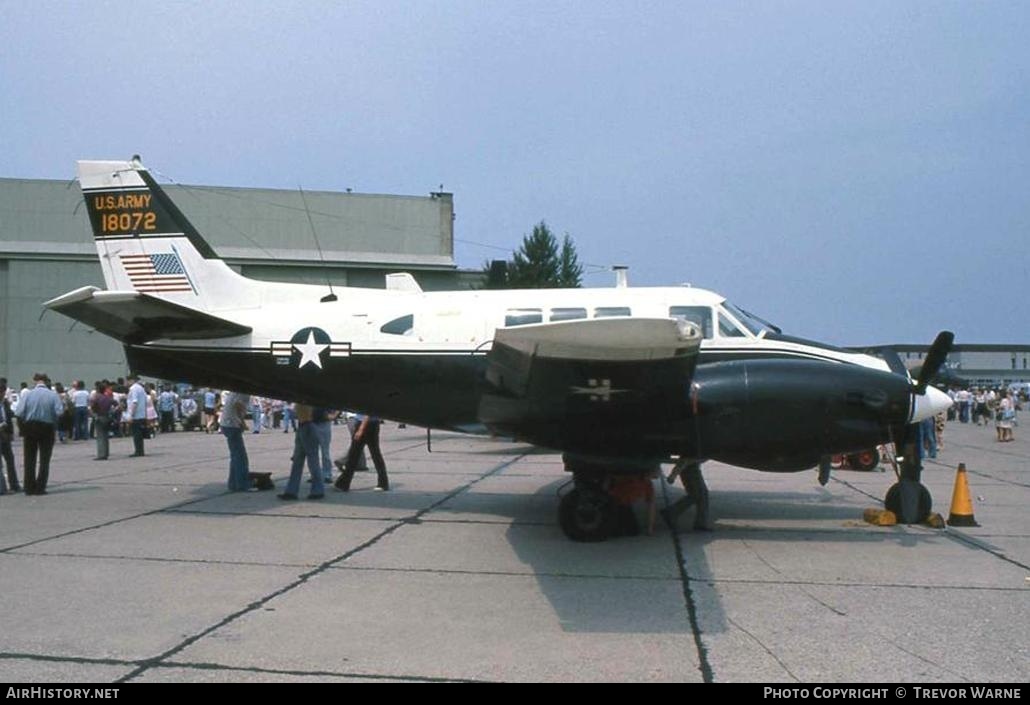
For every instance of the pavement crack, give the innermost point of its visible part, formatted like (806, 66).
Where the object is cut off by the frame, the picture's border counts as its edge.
(48, 658)
(799, 586)
(102, 525)
(704, 665)
(204, 666)
(959, 537)
(510, 573)
(925, 660)
(765, 648)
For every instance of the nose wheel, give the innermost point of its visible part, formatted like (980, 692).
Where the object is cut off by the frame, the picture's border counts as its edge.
(908, 498)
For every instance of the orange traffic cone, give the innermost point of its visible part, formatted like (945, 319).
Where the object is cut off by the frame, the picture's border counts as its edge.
(961, 502)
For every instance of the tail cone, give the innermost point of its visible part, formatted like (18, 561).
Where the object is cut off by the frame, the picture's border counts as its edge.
(961, 502)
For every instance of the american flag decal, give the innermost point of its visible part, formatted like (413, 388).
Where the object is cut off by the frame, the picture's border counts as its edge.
(161, 274)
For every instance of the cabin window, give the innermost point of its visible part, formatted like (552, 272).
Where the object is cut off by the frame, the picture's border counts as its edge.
(567, 314)
(400, 326)
(523, 316)
(700, 316)
(727, 328)
(611, 311)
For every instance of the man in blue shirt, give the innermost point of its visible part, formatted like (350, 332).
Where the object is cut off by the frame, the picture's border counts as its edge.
(166, 409)
(39, 408)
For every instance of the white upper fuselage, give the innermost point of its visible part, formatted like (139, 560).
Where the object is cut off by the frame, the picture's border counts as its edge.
(463, 322)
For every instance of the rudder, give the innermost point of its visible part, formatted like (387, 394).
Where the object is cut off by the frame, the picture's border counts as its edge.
(144, 241)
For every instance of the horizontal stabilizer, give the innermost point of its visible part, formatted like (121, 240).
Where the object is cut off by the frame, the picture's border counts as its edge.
(132, 317)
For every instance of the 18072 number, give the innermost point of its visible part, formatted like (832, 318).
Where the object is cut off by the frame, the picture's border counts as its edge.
(128, 222)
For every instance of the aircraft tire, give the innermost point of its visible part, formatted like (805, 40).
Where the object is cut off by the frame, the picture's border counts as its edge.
(893, 502)
(586, 515)
(867, 460)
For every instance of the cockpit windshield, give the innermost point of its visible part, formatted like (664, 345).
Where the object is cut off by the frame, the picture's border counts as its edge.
(752, 323)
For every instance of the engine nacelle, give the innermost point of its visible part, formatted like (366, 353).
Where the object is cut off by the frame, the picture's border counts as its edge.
(784, 415)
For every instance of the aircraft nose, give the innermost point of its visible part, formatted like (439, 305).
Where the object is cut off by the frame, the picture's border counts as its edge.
(930, 403)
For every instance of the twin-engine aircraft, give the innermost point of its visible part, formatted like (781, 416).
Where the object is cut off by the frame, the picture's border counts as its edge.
(618, 379)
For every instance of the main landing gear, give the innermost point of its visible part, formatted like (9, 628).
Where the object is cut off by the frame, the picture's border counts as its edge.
(597, 507)
(586, 512)
(866, 460)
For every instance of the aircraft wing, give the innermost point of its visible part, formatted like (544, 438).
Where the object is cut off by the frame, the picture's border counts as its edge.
(132, 317)
(554, 381)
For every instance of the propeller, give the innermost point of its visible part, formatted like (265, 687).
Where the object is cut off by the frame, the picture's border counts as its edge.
(935, 359)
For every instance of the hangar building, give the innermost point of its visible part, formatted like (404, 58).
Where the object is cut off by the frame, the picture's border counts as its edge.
(46, 249)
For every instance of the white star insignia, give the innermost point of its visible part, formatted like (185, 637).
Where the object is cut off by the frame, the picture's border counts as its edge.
(310, 351)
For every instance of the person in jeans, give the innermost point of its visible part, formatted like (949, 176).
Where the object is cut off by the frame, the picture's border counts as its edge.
(39, 410)
(231, 422)
(6, 436)
(100, 404)
(366, 435)
(305, 447)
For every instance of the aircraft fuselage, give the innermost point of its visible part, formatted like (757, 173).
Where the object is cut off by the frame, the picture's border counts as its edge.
(756, 399)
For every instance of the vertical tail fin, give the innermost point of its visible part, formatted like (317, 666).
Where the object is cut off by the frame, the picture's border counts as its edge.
(144, 241)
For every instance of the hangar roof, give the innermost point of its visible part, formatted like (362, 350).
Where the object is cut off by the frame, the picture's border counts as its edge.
(46, 218)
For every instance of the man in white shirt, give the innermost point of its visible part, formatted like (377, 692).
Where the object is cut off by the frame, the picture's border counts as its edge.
(80, 402)
(137, 409)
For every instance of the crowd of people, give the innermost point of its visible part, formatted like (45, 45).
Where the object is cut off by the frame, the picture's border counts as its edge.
(47, 412)
(982, 405)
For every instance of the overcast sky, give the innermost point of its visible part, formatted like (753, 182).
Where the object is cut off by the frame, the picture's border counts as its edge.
(856, 172)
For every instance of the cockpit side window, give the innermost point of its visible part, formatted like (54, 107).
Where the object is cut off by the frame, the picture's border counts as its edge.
(700, 316)
(523, 317)
(399, 326)
(612, 311)
(567, 314)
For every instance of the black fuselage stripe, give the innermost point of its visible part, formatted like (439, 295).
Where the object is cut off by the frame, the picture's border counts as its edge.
(706, 357)
(762, 353)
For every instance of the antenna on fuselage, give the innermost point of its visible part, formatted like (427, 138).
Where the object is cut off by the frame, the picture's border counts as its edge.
(331, 296)
(621, 275)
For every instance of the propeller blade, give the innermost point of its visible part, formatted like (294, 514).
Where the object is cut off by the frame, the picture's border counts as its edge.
(935, 359)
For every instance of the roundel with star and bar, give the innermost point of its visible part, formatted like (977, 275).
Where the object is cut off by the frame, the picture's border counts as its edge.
(308, 349)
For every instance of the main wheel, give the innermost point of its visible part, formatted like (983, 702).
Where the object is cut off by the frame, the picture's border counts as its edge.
(586, 515)
(866, 460)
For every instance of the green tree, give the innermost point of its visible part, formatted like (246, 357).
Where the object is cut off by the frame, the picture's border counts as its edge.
(539, 264)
